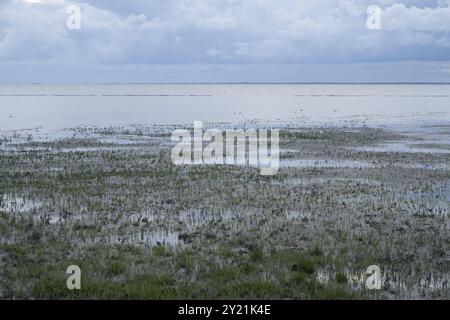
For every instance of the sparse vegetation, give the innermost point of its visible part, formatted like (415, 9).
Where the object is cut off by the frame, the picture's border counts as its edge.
(141, 228)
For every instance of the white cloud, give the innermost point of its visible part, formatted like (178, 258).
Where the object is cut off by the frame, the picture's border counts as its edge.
(216, 22)
(215, 53)
(399, 17)
(188, 31)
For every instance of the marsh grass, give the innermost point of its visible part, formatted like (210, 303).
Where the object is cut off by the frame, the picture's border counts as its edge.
(233, 233)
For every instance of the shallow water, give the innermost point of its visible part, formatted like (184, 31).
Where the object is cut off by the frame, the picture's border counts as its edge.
(391, 281)
(16, 204)
(57, 107)
(324, 163)
(143, 237)
(402, 147)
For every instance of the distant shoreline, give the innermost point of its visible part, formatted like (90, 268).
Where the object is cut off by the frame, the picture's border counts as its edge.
(230, 83)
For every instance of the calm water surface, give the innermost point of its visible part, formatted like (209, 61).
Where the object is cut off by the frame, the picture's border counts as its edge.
(54, 107)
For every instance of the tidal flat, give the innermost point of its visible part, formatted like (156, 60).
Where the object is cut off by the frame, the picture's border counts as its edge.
(110, 201)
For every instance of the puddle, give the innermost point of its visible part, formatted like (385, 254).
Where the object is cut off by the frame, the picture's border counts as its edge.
(354, 164)
(322, 163)
(426, 166)
(57, 218)
(436, 200)
(289, 151)
(144, 237)
(49, 219)
(13, 204)
(199, 218)
(401, 147)
(10, 149)
(313, 181)
(418, 286)
(124, 140)
(141, 217)
(296, 215)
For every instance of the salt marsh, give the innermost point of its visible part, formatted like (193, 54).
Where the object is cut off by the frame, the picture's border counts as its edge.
(109, 199)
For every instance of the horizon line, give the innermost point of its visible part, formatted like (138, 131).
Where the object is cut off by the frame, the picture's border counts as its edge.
(236, 83)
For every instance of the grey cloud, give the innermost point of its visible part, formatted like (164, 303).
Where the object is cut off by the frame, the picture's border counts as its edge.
(243, 31)
(224, 32)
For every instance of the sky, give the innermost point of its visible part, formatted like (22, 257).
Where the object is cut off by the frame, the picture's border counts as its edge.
(144, 41)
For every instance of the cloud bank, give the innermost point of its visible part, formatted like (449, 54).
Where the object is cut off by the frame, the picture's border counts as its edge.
(223, 32)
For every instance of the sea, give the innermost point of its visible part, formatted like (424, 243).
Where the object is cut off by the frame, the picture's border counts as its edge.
(49, 108)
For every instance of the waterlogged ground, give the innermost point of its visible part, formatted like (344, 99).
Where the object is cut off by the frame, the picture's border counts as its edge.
(111, 201)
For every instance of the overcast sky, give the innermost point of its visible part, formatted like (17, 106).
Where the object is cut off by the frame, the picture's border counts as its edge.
(224, 41)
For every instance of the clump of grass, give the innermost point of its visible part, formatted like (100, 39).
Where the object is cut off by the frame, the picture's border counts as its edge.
(341, 278)
(300, 277)
(257, 254)
(115, 268)
(316, 252)
(304, 264)
(160, 251)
